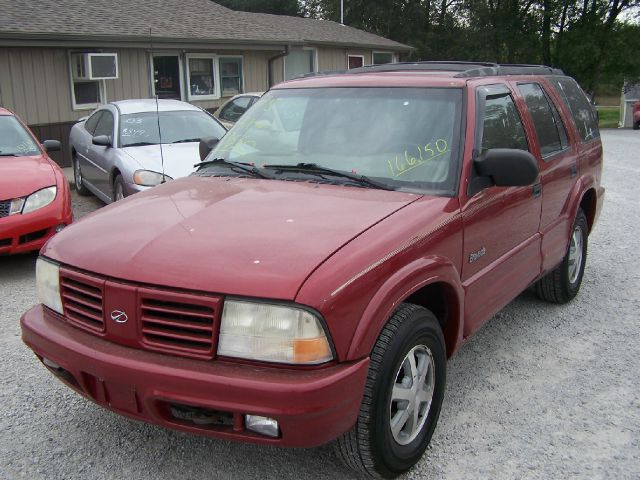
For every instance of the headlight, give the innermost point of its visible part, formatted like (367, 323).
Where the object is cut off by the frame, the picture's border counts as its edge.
(39, 199)
(48, 282)
(147, 178)
(272, 333)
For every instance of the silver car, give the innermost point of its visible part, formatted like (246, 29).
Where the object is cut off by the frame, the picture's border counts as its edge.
(116, 150)
(230, 112)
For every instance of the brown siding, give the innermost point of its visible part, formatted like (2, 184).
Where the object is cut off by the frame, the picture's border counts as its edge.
(57, 131)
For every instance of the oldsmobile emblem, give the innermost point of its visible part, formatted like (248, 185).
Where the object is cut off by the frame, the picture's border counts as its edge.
(119, 316)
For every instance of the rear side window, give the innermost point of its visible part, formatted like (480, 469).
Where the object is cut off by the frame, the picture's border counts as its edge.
(92, 122)
(235, 109)
(581, 109)
(502, 125)
(549, 128)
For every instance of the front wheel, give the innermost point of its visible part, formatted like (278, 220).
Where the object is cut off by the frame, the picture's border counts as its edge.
(118, 188)
(77, 177)
(562, 284)
(402, 397)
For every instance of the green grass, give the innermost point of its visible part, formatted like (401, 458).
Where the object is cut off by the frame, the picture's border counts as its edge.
(609, 117)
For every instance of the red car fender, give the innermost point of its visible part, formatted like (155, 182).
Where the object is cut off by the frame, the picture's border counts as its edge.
(413, 276)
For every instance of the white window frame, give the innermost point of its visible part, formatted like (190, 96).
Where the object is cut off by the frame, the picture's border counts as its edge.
(244, 87)
(349, 55)
(181, 76)
(393, 56)
(216, 76)
(315, 62)
(101, 93)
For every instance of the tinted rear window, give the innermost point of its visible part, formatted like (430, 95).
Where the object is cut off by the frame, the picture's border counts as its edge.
(583, 112)
(544, 120)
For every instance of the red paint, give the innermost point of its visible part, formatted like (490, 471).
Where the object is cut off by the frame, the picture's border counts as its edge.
(352, 254)
(20, 177)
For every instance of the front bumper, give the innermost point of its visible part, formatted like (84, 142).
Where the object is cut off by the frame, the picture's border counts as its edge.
(312, 407)
(29, 232)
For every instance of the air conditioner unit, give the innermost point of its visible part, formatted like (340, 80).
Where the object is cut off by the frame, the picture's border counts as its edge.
(94, 66)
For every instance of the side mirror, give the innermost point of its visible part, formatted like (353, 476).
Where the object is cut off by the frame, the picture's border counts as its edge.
(507, 167)
(206, 145)
(51, 146)
(102, 140)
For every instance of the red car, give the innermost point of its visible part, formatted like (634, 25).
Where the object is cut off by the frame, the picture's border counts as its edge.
(310, 280)
(35, 202)
(636, 116)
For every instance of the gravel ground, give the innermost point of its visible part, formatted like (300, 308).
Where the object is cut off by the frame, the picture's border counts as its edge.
(542, 391)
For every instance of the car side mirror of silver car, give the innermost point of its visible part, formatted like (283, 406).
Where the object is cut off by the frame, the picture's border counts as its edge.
(102, 141)
(51, 146)
(206, 145)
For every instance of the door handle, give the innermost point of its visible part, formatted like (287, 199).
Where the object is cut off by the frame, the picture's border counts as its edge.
(537, 190)
(574, 170)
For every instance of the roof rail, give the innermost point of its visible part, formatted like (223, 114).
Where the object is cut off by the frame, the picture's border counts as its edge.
(463, 69)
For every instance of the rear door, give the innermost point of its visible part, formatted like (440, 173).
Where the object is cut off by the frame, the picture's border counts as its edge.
(558, 170)
(501, 238)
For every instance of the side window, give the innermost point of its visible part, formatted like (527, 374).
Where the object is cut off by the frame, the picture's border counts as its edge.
(582, 111)
(105, 125)
(543, 119)
(502, 125)
(92, 122)
(234, 109)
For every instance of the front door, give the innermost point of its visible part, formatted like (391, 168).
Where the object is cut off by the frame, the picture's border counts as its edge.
(166, 76)
(501, 237)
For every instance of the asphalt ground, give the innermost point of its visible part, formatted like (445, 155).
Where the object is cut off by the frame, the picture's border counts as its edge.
(540, 392)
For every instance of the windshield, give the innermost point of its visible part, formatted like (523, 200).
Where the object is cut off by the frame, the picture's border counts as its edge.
(406, 138)
(176, 127)
(14, 139)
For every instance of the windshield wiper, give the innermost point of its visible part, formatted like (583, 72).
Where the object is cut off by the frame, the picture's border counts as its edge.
(319, 170)
(139, 144)
(235, 166)
(188, 140)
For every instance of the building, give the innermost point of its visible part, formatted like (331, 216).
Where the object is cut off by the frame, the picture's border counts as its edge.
(630, 95)
(60, 59)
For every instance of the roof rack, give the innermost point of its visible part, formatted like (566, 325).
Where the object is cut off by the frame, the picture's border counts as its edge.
(463, 69)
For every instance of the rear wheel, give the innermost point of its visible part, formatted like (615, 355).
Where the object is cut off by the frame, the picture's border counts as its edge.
(77, 177)
(562, 284)
(636, 125)
(402, 397)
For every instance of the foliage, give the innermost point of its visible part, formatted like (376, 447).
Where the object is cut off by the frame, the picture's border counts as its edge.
(278, 7)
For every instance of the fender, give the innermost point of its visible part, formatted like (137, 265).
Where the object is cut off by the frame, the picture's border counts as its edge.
(576, 195)
(413, 276)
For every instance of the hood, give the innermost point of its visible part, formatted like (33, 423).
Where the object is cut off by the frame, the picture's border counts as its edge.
(179, 158)
(21, 176)
(248, 237)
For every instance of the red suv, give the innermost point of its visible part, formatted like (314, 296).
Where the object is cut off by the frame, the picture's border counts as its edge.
(310, 280)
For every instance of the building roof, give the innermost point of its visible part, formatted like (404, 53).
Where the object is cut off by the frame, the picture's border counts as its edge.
(172, 20)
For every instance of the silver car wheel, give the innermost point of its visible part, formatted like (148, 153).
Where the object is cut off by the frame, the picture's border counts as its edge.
(412, 394)
(119, 191)
(77, 173)
(575, 254)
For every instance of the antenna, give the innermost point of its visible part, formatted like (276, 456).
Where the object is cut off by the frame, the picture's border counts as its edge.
(157, 113)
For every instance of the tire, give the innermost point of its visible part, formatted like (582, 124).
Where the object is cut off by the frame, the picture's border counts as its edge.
(562, 284)
(118, 188)
(371, 447)
(77, 178)
(636, 125)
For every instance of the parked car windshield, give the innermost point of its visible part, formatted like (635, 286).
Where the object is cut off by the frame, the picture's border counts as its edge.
(14, 139)
(406, 138)
(182, 126)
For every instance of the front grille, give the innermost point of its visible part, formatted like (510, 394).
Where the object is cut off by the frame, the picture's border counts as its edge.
(82, 300)
(5, 207)
(182, 325)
